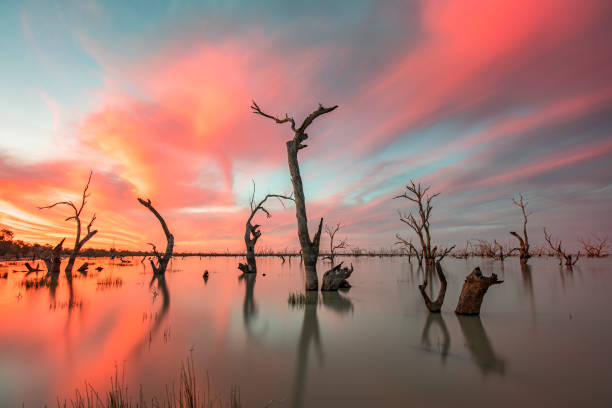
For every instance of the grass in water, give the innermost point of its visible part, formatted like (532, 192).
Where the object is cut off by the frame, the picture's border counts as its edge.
(188, 395)
(301, 299)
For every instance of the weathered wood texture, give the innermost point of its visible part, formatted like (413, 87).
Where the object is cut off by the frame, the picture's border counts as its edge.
(310, 247)
(473, 291)
(336, 278)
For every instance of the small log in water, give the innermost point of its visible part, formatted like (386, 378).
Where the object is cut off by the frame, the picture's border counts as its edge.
(473, 291)
(336, 278)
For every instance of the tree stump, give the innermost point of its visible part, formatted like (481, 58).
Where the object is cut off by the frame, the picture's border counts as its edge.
(473, 291)
(336, 278)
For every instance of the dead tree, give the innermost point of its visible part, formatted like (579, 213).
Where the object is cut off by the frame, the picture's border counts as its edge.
(473, 291)
(596, 248)
(336, 278)
(310, 248)
(162, 259)
(78, 241)
(557, 248)
(334, 246)
(418, 195)
(436, 305)
(524, 240)
(252, 232)
(53, 259)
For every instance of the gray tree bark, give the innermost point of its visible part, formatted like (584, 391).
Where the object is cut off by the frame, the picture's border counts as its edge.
(310, 248)
(336, 278)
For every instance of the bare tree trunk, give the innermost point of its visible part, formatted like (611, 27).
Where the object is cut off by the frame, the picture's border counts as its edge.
(53, 260)
(162, 259)
(473, 291)
(436, 305)
(524, 240)
(252, 232)
(78, 241)
(310, 248)
(336, 278)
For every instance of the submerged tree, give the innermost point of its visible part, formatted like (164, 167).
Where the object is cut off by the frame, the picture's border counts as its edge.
(418, 194)
(310, 247)
(434, 306)
(595, 248)
(334, 245)
(473, 291)
(162, 259)
(252, 232)
(557, 248)
(524, 240)
(78, 241)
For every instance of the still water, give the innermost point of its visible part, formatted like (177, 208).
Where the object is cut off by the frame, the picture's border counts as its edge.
(544, 336)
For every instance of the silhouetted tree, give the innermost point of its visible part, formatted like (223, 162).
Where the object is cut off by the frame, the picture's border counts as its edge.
(524, 240)
(162, 259)
(418, 194)
(310, 248)
(78, 241)
(252, 232)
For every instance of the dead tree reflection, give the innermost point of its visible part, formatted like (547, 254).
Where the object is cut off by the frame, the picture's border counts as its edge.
(311, 334)
(479, 346)
(437, 320)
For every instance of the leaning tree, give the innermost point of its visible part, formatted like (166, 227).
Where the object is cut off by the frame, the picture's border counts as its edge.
(420, 225)
(252, 232)
(310, 247)
(523, 247)
(78, 241)
(162, 259)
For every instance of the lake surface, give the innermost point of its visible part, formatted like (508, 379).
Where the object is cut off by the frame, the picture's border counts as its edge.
(544, 337)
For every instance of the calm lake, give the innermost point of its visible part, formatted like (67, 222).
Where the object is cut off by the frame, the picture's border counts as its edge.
(544, 337)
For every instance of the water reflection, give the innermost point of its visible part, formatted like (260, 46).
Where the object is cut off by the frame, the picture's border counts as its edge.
(160, 290)
(437, 320)
(479, 345)
(311, 334)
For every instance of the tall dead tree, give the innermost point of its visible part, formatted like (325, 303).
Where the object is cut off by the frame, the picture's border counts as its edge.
(162, 259)
(523, 247)
(557, 248)
(78, 241)
(252, 232)
(331, 231)
(418, 195)
(473, 291)
(310, 247)
(434, 306)
(595, 248)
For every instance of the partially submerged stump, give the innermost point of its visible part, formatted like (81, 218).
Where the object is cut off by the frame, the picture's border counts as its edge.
(53, 260)
(436, 305)
(473, 291)
(83, 268)
(336, 278)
